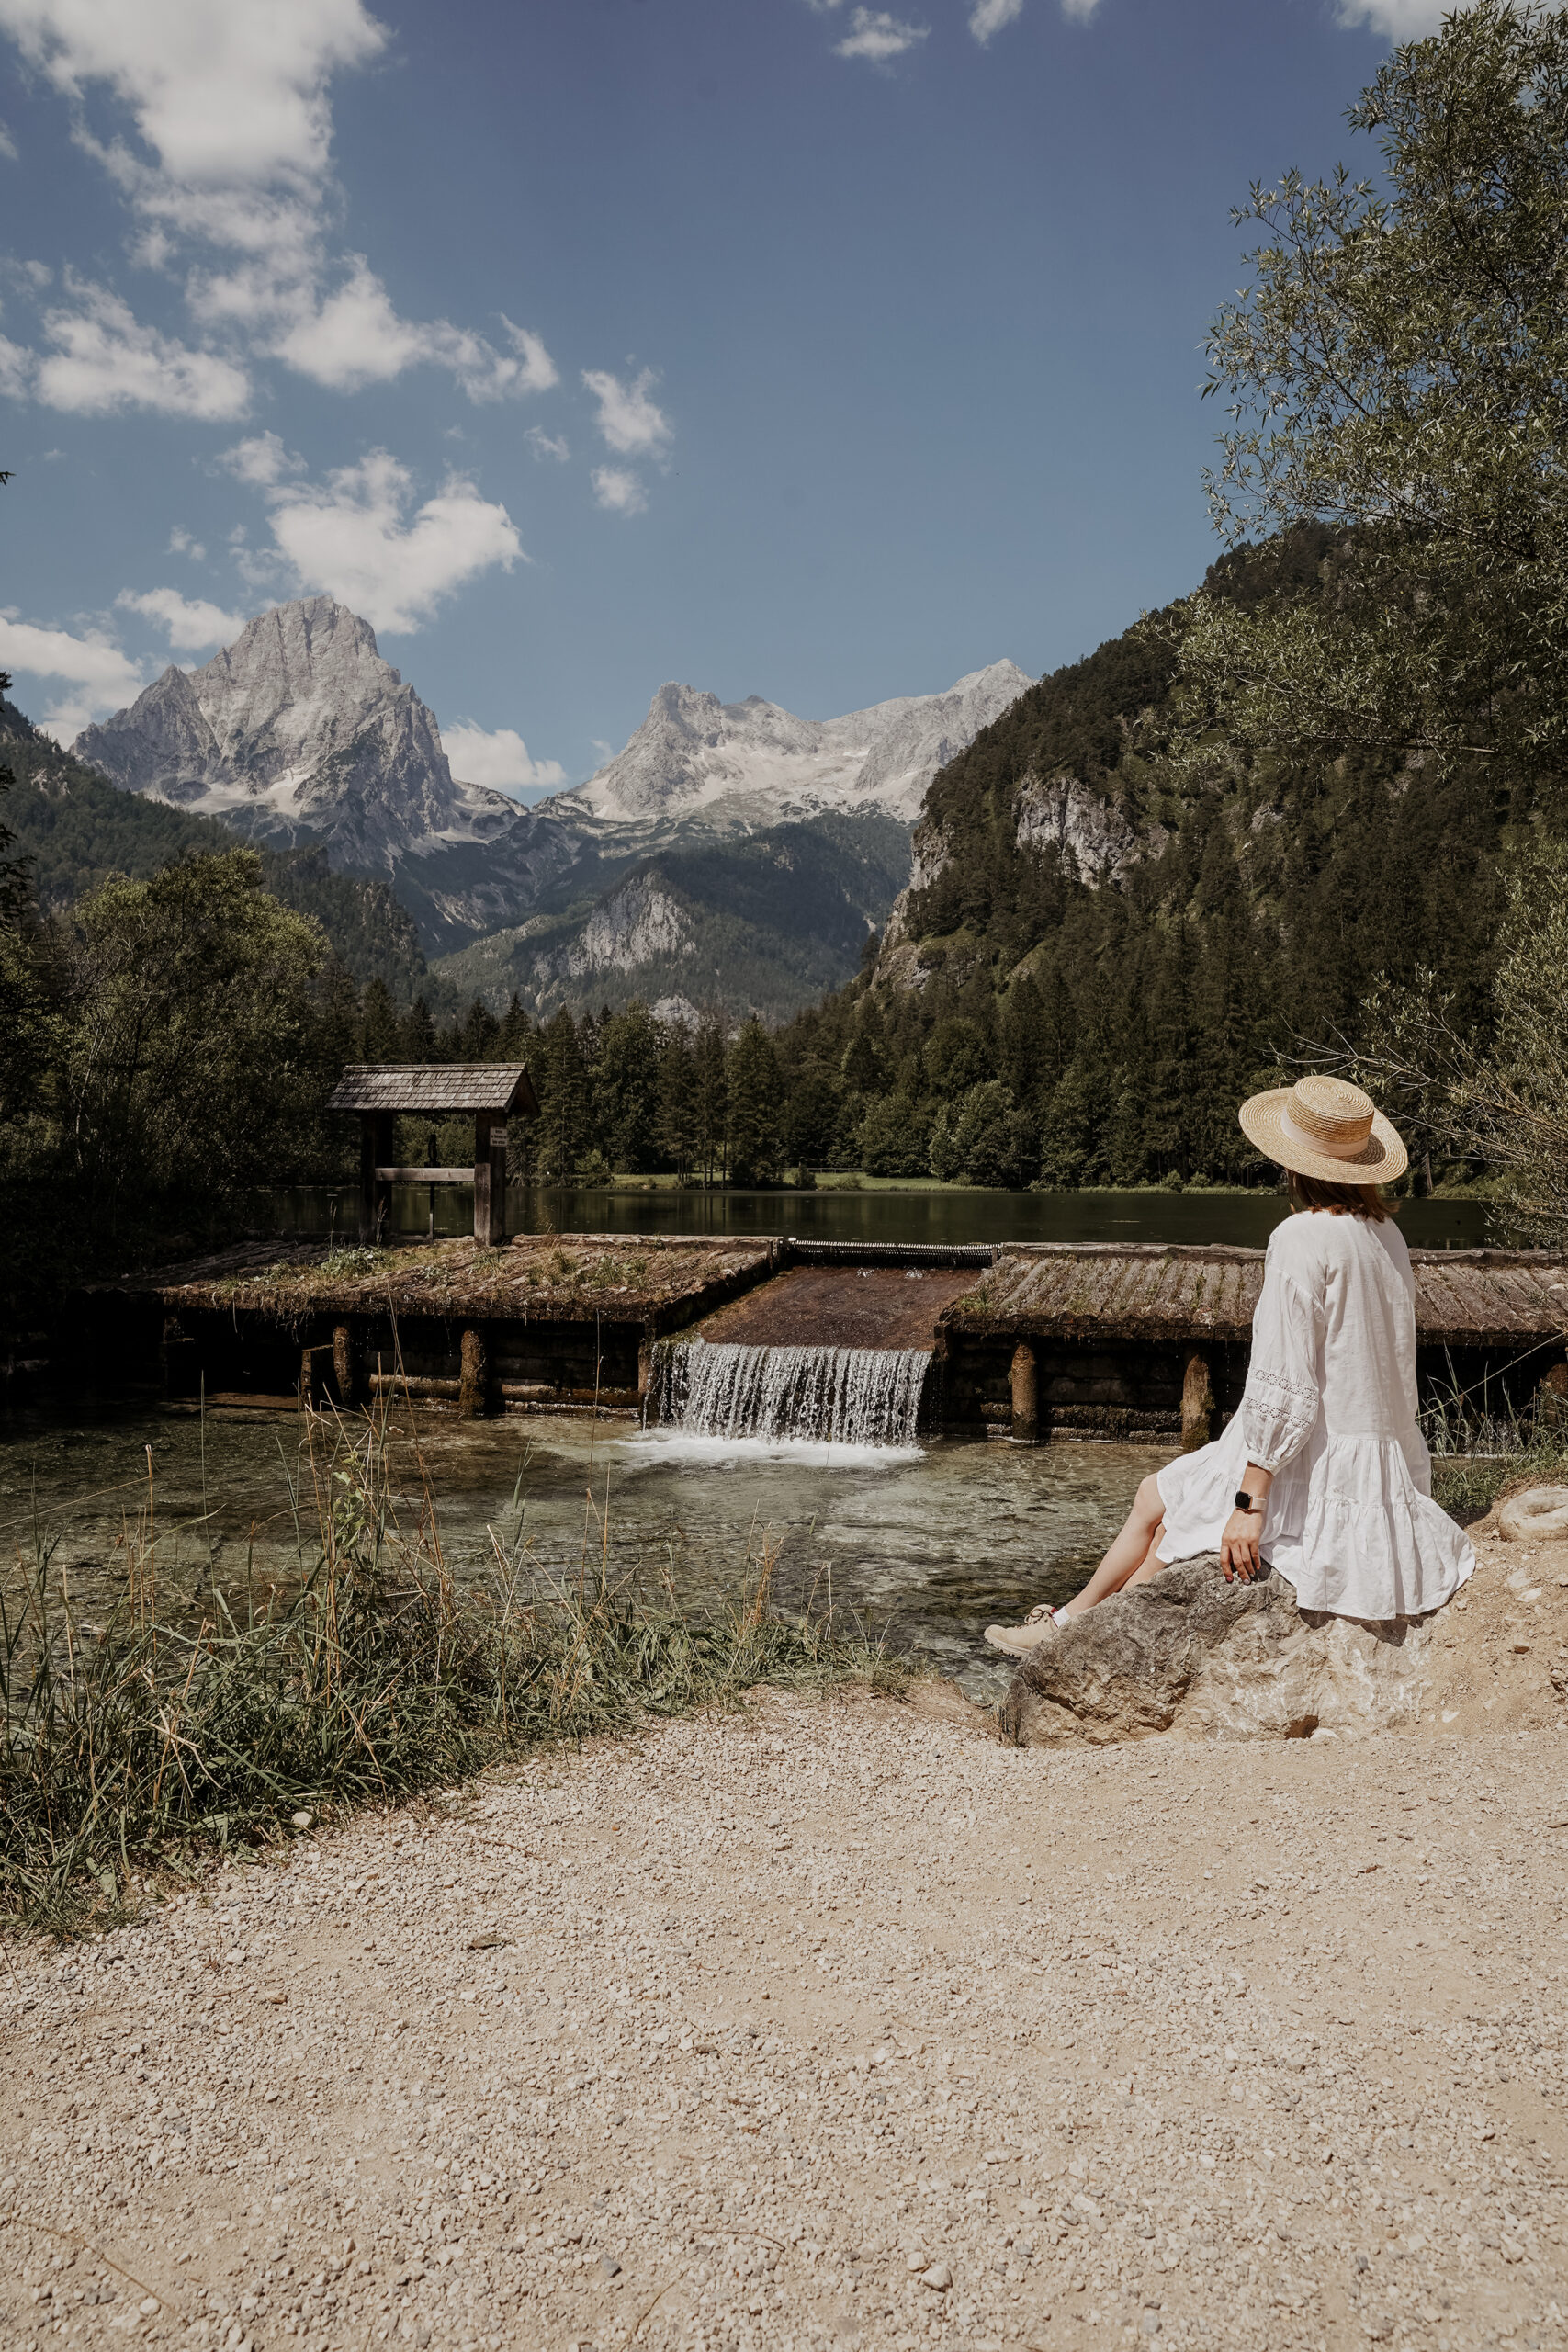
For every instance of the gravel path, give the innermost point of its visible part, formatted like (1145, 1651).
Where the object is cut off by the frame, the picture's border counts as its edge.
(830, 2023)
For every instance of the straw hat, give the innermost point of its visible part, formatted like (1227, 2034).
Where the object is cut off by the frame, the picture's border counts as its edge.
(1326, 1128)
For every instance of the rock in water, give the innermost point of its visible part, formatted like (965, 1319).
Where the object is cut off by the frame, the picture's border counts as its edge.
(1215, 1659)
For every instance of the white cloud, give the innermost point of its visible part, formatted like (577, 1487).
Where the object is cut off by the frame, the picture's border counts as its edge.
(226, 97)
(191, 622)
(989, 16)
(536, 372)
(103, 675)
(353, 536)
(546, 445)
(875, 35)
(15, 370)
(230, 151)
(618, 491)
(499, 759)
(1080, 11)
(262, 461)
(8, 146)
(628, 420)
(104, 358)
(182, 543)
(1400, 19)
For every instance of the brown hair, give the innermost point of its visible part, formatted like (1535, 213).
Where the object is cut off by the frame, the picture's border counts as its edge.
(1340, 1199)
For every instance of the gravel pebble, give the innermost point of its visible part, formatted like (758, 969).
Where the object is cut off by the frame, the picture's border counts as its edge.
(736, 2035)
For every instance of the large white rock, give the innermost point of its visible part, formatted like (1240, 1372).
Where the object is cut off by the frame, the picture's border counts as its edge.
(1190, 1653)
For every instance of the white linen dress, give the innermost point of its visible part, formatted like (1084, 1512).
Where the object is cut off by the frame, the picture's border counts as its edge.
(1330, 1407)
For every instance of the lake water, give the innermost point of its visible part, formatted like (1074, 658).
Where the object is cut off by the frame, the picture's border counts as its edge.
(934, 1542)
(835, 1214)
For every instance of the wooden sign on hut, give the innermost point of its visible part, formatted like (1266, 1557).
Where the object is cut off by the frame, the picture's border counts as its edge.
(491, 1093)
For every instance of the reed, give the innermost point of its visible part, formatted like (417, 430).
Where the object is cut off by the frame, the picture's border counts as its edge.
(184, 1729)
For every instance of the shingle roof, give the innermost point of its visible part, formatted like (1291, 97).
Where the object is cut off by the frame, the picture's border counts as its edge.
(424, 1086)
(1111, 1290)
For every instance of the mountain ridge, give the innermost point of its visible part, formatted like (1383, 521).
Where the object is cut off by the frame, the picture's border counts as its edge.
(299, 726)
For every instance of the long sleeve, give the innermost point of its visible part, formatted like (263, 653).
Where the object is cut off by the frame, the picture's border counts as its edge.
(1281, 1403)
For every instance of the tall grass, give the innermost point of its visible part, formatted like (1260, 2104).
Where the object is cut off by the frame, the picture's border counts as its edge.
(177, 1728)
(1483, 1445)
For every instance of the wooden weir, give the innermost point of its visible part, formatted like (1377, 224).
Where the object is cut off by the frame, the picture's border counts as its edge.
(1028, 1341)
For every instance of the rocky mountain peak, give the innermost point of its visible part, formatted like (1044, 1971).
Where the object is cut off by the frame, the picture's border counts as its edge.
(749, 762)
(298, 727)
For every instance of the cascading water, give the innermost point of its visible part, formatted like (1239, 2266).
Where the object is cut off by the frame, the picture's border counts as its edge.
(847, 1395)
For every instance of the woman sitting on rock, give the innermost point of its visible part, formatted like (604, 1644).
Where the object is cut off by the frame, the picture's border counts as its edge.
(1323, 1473)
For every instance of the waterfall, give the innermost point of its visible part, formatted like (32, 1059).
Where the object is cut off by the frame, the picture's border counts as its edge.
(847, 1395)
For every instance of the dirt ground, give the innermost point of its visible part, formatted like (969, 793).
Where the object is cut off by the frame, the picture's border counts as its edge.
(841, 2023)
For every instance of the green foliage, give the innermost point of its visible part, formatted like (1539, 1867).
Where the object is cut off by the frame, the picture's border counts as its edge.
(1398, 371)
(189, 1727)
(753, 1088)
(78, 832)
(198, 1058)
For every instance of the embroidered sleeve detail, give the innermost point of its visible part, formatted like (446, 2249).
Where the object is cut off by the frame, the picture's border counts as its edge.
(1280, 1408)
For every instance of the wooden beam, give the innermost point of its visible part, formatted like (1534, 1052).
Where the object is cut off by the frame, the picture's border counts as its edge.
(425, 1175)
(490, 1181)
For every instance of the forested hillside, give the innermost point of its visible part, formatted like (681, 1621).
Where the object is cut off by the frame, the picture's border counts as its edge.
(1108, 947)
(77, 830)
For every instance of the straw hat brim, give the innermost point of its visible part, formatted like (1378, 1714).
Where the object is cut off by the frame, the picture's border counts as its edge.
(1380, 1160)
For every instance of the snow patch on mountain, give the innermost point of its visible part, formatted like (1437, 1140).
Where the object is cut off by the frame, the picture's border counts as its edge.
(751, 764)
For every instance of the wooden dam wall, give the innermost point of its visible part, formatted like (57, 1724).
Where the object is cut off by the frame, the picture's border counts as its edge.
(1028, 1341)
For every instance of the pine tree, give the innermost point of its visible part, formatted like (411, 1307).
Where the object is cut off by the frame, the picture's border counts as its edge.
(562, 1087)
(712, 1096)
(754, 1105)
(680, 1128)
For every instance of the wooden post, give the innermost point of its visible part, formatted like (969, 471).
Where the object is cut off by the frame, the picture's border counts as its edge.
(475, 1382)
(1197, 1401)
(490, 1181)
(376, 1133)
(1025, 1393)
(484, 1219)
(367, 1175)
(316, 1374)
(1551, 1400)
(345, 1370)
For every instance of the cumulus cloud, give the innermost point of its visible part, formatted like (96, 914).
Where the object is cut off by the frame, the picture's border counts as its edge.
(618, 491)
(191, 623)
(260, 460)
(182, 543)
(546, 445)
(355, 538)
(989, 16)
(228, 167)
(1080, 11)
(498, 758)
(1399, 19)
(628, 420)
(874, 34)
(102, 359)
(98, 675)
(8, 146)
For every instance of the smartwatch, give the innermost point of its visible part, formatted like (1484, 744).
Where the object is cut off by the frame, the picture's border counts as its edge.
(1244, 1500)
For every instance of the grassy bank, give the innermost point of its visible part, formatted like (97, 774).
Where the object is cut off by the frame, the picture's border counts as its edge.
(185, 1727)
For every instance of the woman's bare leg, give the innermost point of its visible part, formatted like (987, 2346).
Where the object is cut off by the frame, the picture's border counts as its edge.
(1131, 1554)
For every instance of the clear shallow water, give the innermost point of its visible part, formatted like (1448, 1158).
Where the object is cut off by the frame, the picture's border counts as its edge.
(935, 1542)
(833, 1216)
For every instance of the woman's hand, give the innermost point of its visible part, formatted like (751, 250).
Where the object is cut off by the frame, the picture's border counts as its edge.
(1240, 1556)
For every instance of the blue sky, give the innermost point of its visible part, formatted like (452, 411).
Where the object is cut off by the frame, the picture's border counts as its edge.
(789, 347)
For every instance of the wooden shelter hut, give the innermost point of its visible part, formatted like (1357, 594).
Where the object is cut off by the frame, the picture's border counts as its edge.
(491, 1093)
